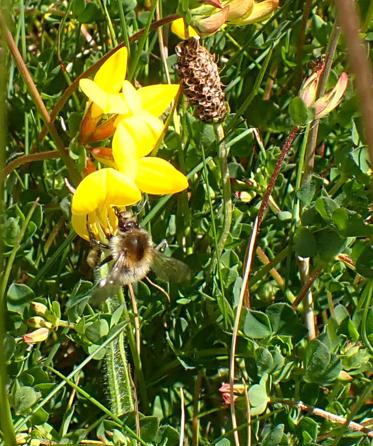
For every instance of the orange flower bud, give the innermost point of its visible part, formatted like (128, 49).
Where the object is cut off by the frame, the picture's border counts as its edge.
(210, 24)
(88, 125)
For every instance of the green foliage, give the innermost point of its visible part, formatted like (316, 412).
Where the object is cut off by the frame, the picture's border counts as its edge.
(65, 389)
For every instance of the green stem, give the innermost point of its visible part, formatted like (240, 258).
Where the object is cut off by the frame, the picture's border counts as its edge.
(6, 423)
(221, 302)
(142, 41)
(227, 198)
(124, 27)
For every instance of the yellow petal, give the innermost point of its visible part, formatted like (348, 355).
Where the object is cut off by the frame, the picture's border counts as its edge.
(124, 151)
(156, 98)
(178, 28)
(157, 176)
(132, 98)
(102, 188)
(330, 100)
(112, 73)
(145, 130)
(107, 102)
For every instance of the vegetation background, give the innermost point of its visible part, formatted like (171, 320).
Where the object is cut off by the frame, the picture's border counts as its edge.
(304, 367)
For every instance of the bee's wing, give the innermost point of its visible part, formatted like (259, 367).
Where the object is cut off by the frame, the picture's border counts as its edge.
(170, 269)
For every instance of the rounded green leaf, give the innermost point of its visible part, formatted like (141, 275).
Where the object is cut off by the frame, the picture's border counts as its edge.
(305, 243)
(256, 325)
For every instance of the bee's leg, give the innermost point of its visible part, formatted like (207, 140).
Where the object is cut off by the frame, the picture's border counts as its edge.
(107, 259)
(162, 245)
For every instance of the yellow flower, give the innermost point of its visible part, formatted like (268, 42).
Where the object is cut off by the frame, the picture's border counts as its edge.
(135, 172)
(109, 93)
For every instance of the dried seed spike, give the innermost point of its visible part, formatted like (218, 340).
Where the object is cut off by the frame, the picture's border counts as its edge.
(201, 81)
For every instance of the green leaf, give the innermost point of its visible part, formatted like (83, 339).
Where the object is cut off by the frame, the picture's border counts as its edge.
(97, 330)
(25, 397)
(299, 113)
(305, 243)
(325, 206)
(258, 398)
(364, 263)
(263, 361)
(149, 428)
(284, 321)
(274, 436)
(168, 435)
(256, 325)
(321, 365)
(351, 224)
(307, 193)
(329, 243)
(223, 442)
(19, 296)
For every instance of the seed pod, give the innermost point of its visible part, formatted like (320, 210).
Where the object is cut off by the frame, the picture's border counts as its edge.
(201, 81)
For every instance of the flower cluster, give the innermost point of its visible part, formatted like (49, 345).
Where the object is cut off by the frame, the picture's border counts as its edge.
(132, 117)
(214, 14)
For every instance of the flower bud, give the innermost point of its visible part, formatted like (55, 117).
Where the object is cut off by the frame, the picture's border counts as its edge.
(212, 23)
(89, 167)
(239, 9)
(39, 308)
(104, 155)
(104, 130)
(37, 336)
(88, 125)
(37, 322)
(260, 11)
(225, 390)
(344, 376)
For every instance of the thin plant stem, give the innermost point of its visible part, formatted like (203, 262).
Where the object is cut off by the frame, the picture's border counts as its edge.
(70, 165)
(162, 47)
(329, 416)
(141, 45)
(307, 285)
(244, 294)
(221, 302)
(6, 423)
(302, 40)
(227, 198)
(29, 158)
(264, 205)
(182, 420)
(348, 19)
(123, 24)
